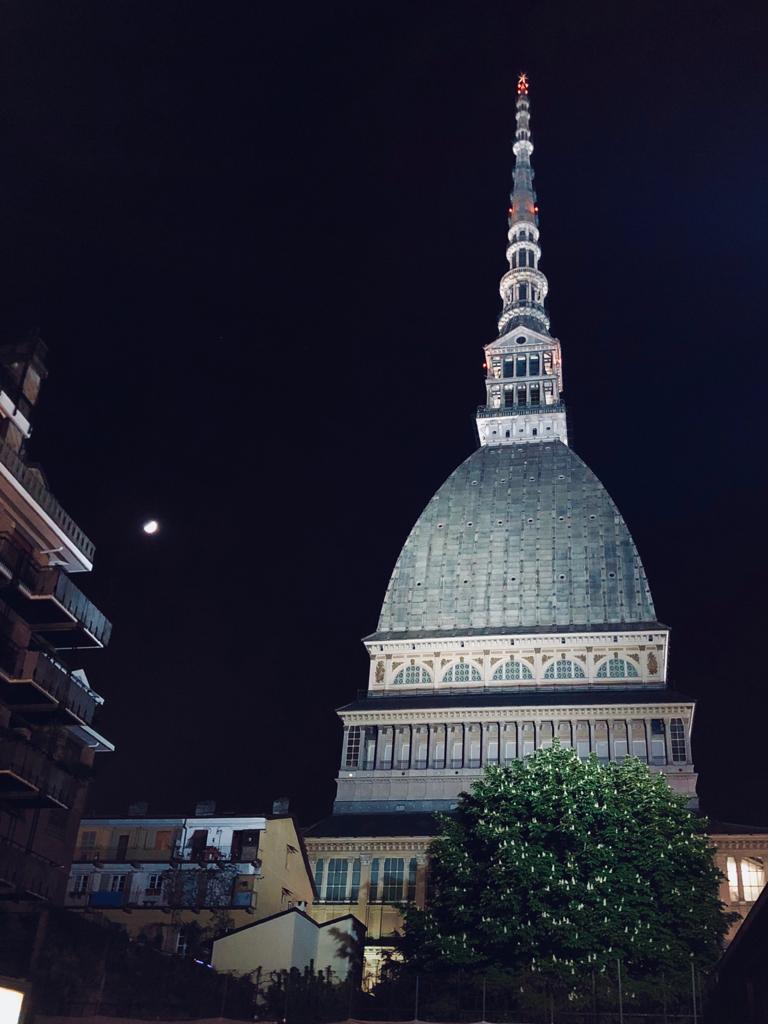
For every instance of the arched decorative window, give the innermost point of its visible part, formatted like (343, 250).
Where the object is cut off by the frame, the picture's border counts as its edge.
(564, 669)
(512, 669)
(462, 672)
(617, 668)
(412, 675)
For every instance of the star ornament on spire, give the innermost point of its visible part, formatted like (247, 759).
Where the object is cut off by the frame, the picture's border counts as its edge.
(522, 84)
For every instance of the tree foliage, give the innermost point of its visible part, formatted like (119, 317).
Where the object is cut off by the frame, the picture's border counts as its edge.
(561, 867)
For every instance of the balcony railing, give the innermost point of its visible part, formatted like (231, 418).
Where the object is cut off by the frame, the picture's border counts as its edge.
(25, 873)
(486, 411)
(37, 490)
(30, 779)
(40, 686)
(54, 583)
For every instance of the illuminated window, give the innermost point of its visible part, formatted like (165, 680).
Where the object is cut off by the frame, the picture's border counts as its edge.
(373, 888)
(463, 672)
(336, 886)
(412, 869)
(80, 885)
(752, 878)
(564, 669)
(512, 669)
(412, 675)
(510, 743)
(353, 747)
(154, 885)
(529, 739)
(582, 739)
(639, 748)
(620, 744)
(617, 668)
(732, 872)
(392, 881)
(677, 740)
(601, 741)
(658, 742)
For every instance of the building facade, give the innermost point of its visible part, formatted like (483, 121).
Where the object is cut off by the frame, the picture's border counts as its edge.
(47, 708)
(157, 876)
(518, 612)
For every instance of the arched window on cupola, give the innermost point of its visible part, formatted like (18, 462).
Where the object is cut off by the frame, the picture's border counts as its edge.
(617, 668)
(564, 669)
(412, 675)
(512, 669)
(462, 672)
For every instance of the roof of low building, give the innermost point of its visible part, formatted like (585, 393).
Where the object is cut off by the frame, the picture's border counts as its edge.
(519, 536)
(352, 826)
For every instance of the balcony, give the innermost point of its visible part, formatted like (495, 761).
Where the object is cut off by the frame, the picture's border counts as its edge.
(486, 411)
(29, 498)
(24, 873)
(30, 779)
(41, 689)
(52, 605)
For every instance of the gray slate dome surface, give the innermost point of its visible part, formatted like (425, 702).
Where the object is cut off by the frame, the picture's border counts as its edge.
(519, 537)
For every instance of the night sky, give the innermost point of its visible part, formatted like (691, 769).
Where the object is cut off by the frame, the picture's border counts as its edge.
(263, 244)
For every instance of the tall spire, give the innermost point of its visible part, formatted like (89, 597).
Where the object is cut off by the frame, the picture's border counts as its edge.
(524, 379)
(524, 287)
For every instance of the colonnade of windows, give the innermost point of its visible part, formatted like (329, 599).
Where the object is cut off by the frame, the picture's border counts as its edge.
(657, 741)
(563, 668)
(390, 879)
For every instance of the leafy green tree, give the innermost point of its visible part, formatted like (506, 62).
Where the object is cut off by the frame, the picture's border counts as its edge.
(559, 867)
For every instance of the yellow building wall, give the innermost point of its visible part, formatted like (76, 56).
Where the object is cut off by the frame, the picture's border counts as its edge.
(285, 879)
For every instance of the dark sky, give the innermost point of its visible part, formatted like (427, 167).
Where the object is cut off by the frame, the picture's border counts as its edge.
(263, 244)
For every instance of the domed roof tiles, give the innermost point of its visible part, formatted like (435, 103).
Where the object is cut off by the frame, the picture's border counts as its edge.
(518, 537)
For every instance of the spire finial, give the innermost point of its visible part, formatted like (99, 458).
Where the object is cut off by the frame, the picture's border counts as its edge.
(522, 84)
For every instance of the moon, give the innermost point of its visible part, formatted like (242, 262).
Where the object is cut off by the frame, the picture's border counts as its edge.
(151, 526)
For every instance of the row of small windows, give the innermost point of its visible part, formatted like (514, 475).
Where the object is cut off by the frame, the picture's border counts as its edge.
(338, 880)
(525, 365)
(473, 745)
(466, 672)
(523, 235)
(521, 395)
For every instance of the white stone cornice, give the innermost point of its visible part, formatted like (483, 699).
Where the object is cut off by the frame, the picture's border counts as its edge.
(451, 715)
(359, 844)
(745, 841)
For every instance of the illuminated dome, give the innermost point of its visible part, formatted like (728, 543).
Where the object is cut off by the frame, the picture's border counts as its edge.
(519, 538)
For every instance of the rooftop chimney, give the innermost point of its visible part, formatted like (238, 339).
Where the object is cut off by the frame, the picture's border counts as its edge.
(280, 805)
(204, 808)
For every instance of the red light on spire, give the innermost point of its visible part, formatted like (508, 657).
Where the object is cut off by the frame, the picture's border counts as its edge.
(522, 84)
